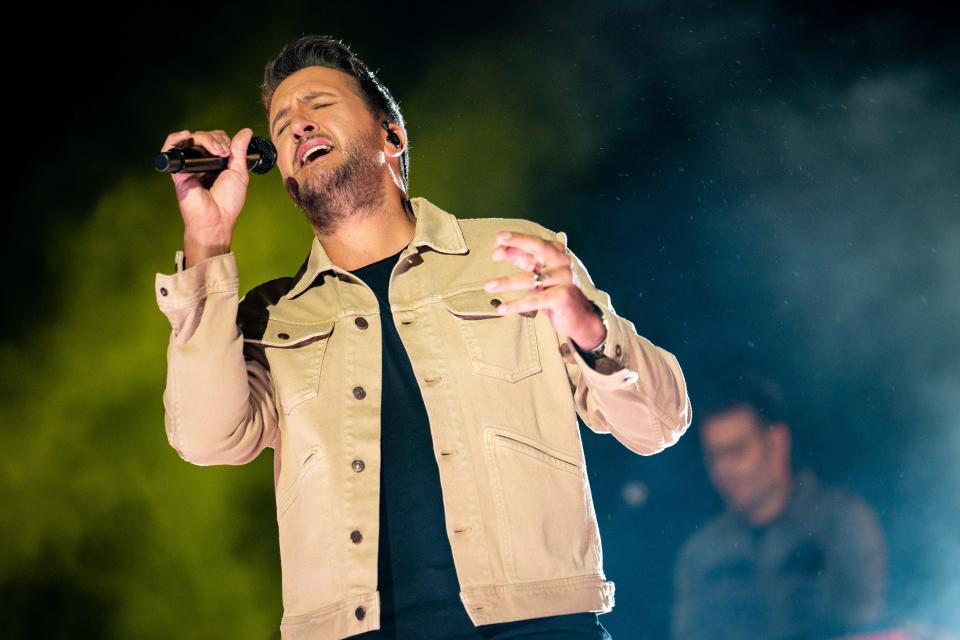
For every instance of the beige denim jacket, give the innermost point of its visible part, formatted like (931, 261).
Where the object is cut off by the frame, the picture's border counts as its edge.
(295, 366)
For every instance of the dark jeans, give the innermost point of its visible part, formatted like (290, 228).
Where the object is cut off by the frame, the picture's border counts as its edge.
(578, 626)
(601, 634)
(581, 626)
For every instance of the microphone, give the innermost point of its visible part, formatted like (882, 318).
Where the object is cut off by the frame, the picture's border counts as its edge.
(261, 157)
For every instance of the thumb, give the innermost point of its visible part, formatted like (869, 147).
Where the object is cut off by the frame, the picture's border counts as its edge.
(238, 150)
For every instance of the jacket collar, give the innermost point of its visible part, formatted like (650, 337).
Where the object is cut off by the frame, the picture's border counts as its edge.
(435, 228)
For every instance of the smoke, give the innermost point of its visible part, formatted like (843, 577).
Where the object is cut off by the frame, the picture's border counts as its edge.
(859, 219)
(792, 201)
(775, 181)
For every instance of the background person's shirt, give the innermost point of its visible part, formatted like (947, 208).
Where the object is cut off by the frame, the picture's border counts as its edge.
(417, 579)
(817, 571)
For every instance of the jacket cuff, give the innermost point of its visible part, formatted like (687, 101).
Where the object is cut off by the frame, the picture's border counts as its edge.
(611, 369)
(180, 294)
(185, 287)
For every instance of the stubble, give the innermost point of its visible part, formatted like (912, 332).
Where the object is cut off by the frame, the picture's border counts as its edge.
(329, 196)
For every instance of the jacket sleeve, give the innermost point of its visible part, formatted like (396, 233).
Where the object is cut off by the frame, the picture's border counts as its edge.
(219, 406)
(636, 390)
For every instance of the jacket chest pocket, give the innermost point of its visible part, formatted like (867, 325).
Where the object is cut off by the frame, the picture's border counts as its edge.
(500, 346)
(295, 353)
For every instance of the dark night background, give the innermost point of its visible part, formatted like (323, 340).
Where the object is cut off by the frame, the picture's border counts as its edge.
(767, 186)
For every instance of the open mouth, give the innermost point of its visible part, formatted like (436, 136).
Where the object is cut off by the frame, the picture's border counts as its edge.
(316, 152)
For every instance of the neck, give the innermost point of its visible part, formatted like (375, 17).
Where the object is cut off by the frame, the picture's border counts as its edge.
(371, 235)
(775, 504)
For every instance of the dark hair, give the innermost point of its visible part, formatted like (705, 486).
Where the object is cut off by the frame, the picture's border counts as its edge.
(325, 51)
(760, 394)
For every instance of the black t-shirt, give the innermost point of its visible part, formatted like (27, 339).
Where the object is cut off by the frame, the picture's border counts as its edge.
(417, 579)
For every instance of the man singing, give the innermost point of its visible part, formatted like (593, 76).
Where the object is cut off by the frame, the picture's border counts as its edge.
(419, 380)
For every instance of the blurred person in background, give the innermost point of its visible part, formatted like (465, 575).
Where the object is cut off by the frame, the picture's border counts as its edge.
(790, 557)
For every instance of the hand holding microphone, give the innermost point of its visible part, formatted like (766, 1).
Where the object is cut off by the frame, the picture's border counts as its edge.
(210, 202)
(261, 157)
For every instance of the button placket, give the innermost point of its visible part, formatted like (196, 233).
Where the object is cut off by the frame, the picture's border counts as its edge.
(358, 465)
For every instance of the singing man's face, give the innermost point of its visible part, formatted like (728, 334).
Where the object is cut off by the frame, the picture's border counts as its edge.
(317, 102)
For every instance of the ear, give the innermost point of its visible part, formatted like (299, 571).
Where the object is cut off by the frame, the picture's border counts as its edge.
(780, 440)
(388, 148)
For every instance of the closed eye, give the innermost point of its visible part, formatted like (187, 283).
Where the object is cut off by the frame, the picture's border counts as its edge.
(315, 107)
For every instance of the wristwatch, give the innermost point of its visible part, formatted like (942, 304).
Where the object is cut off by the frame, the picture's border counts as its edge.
(598, 351)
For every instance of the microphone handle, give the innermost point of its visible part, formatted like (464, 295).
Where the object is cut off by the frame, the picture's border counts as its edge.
(261, 157)
(186, 162)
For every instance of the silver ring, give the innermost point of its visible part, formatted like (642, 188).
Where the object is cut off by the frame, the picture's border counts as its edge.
(538, 279)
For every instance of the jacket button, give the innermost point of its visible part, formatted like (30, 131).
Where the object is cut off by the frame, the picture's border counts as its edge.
(356, 536)
(359, 393)
(564, 349)
(359, 613)
(163, 291)
(358, 465)
(619, 351)
(361, 322)
(495, 302)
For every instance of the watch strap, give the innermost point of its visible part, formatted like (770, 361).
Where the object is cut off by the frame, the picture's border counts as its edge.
(597, 352)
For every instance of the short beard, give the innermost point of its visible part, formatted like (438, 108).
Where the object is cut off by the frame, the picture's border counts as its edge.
(330, 197)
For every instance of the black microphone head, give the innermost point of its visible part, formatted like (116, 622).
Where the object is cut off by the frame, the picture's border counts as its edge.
(268, 154)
